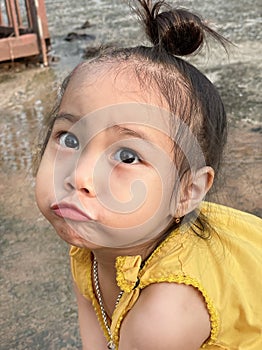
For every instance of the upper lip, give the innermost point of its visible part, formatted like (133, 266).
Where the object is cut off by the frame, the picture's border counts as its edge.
(73, 207)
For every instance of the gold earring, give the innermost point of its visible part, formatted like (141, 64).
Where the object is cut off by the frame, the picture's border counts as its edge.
(177, 220)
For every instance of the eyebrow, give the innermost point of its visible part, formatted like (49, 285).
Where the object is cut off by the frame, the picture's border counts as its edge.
(117, 128)
(130, 132)
(67, 116)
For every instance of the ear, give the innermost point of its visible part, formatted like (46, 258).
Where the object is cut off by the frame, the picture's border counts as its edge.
(194, 191)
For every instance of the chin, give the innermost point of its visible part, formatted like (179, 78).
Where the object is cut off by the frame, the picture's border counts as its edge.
(73, 238)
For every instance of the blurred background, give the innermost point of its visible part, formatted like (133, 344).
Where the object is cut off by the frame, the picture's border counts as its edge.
(37, 305)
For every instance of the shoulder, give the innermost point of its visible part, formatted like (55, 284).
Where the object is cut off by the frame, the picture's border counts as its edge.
(236, 220)
(166, 316)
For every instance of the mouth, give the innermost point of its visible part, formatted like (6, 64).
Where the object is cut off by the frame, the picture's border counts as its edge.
(69, 211)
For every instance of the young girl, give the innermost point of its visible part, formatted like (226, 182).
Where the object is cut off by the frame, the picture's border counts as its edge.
(132, 148)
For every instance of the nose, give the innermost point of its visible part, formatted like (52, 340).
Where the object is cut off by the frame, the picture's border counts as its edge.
(81, 178)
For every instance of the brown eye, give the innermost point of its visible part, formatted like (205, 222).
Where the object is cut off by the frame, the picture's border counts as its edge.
(68, 140)
(127, 156)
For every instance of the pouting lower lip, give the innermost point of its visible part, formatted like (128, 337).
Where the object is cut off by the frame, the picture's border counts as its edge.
(70, 212)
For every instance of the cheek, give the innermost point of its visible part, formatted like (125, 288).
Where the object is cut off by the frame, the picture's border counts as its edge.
(44, 188)
(154, 196)
(142, 194)
(127, 185)
(120, 185)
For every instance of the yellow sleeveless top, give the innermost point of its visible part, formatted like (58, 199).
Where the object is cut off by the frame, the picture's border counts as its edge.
(226, 268)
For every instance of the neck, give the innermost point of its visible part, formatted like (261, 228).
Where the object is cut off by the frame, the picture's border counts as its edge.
(106, 257)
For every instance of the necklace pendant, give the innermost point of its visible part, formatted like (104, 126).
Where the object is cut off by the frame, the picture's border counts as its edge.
(111, 345)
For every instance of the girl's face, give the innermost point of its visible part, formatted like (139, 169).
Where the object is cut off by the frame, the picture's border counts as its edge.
(107, 174)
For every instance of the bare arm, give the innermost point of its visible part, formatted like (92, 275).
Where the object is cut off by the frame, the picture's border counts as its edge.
(167, 316)
(90, 330)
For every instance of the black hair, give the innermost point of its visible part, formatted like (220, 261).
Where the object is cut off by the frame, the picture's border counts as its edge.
(173, 33)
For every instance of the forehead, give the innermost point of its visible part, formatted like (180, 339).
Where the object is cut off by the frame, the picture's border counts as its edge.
(107, 95)
(95, 86)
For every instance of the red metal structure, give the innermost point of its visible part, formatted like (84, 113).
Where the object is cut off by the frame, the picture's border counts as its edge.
(23, 30)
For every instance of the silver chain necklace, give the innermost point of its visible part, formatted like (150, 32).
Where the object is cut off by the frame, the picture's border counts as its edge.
(110, 345)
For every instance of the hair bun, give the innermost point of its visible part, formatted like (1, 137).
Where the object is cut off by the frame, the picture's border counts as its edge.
(177, 31)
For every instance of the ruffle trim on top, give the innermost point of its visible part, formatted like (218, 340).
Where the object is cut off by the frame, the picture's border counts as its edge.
(127, 269)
